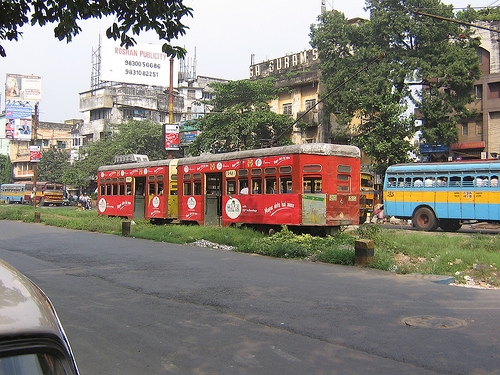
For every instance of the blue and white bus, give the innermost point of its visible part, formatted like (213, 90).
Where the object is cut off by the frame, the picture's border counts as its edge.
(12, 193)
(443, 195)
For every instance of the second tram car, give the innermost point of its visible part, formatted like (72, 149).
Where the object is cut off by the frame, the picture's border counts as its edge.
(309, 187)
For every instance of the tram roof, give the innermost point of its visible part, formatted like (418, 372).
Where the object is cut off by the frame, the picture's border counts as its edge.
(142, 164)
(459, 166)
(306, 148)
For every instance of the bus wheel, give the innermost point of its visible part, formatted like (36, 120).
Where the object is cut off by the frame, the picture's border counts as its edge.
(424, 219)
(450, 225)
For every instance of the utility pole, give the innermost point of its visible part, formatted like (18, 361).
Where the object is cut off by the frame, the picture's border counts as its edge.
(34, 131)
(171, 100)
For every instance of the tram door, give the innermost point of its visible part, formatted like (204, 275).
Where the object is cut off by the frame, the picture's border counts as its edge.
(139, 195)
(213, 199)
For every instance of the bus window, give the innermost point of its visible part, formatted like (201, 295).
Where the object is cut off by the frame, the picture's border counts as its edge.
(230, 187)
(270, 185)
(429, 182)
(187, 188)
(482, 181)
(285, 185)
(494, 181)
(256, 186)
(455, 181)
(392, 181)
(418, 182)
(468, 181)
(401, 182)
(442, 181)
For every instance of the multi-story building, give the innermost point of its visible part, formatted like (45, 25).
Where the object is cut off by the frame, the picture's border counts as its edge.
(480, 137)
(300, 73)
(49, 134)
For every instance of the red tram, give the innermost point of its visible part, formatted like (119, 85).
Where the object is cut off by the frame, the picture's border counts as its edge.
(312, 187)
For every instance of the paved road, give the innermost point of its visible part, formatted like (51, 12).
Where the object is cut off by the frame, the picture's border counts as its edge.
(138, 307)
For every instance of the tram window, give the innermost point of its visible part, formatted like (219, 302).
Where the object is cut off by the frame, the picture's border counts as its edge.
(115, 189)
(121, 189)
(285, 185)
(256, 186)
(103, 190)
(160, 188)
(197, 188)
(343, 168)
(197, 176)
(270, 170)
(187, 188)
(187, 176)
(243, 172)
(312, 185)
(494, 181)
(270, 185)
(151, 178)
(312, 168)
(160, 177)
(108, 189)
(286, 169)
(129, 189)
(455, 181)
(173, 177)
(230, 186)
(243, 186)
(256, 172)
(343, 183)
(152, 187)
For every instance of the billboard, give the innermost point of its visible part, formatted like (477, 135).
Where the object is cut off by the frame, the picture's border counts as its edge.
(20, 87)
(142, 64)
(18, 129)
(171, 136)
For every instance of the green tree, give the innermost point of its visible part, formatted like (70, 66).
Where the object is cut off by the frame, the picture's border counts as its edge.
(437, 57)
(131, 17)
(140, 137)
(240, 118)
(133, 137)
(52, 165)
(5, 169)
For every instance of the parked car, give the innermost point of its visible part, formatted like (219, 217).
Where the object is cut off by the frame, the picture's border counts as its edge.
(32, 339)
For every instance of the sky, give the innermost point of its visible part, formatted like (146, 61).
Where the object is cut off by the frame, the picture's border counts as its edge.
(222, 34)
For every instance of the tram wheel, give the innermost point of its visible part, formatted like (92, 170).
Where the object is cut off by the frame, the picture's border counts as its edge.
(450, 225)
(425, 220)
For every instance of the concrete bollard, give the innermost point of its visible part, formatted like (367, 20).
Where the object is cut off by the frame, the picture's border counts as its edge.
(37, 217)
(364, 251)
(125, 228)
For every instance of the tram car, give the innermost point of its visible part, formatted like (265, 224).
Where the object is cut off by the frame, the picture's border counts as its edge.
(312, 188)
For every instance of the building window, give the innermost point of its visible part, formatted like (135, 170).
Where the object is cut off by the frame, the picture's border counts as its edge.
(191, 94)
(479, 127)
(478, 91)
(61, 144)
(310, 103)
(287, 109)
(494, 90)
(45, 143)
(465, 129)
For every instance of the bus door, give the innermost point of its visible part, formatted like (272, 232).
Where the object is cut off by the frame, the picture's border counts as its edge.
(139, 194)
(213, 199)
